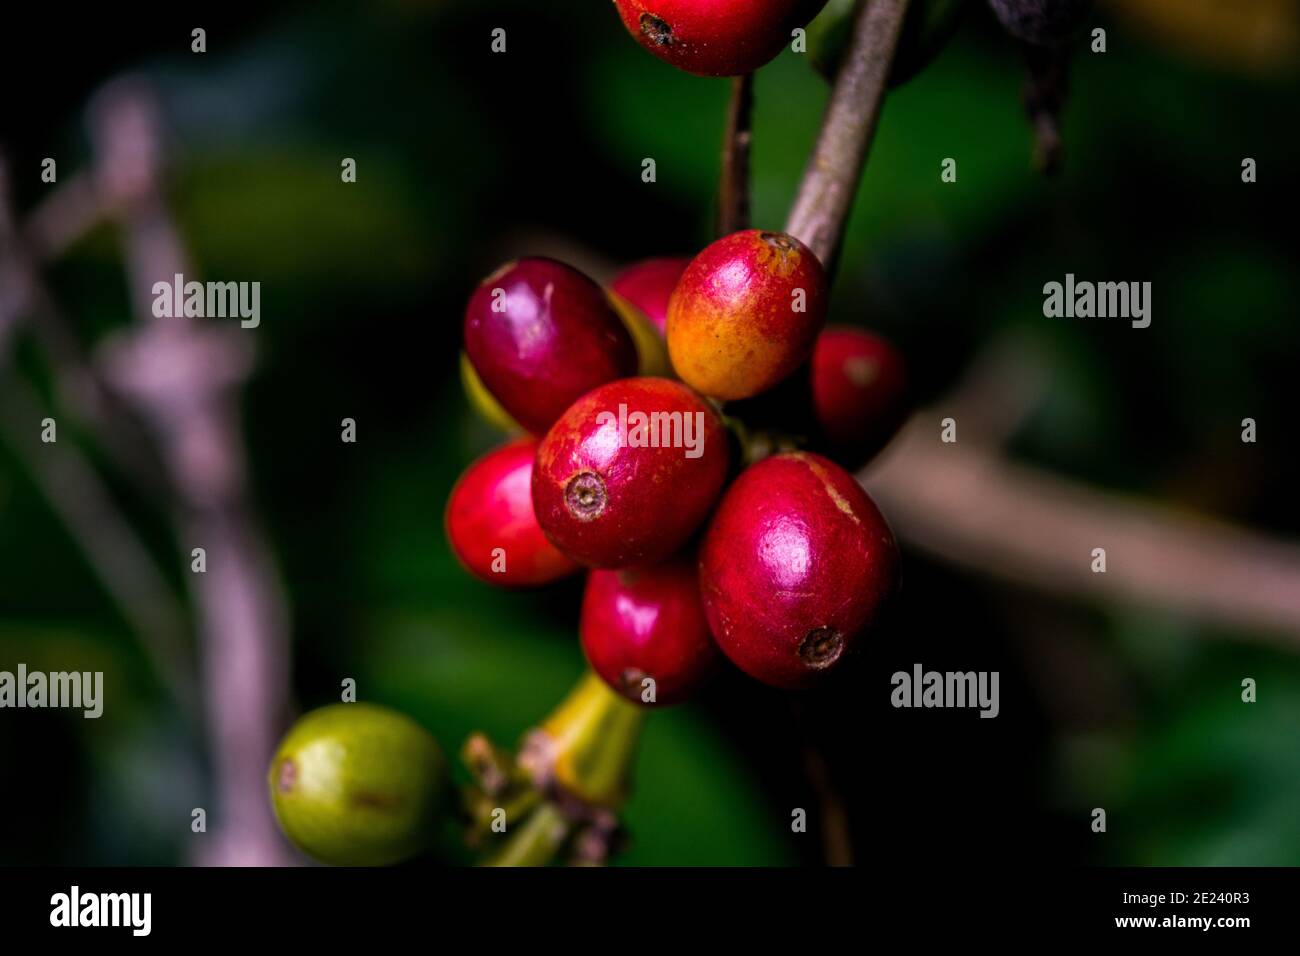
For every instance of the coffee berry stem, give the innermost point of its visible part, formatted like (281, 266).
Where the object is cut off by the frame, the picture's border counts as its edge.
(830, 179)
(564, 787)
(537, 841)
(733, 190)
(583, 752)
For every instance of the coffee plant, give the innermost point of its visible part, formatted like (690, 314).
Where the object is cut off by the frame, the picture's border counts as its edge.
(684, 438)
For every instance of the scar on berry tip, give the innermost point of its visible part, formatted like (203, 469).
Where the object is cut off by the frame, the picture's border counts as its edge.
(821, 647)
(657, 31)
(585, 495)
(287, 776)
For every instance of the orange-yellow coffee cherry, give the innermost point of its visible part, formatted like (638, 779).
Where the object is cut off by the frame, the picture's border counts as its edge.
(746, 313)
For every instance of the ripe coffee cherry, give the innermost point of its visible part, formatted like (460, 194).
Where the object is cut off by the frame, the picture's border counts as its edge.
(745, 313)
(859, 385)
(491, 525)
(629, 472)
(794, 568)
(649, 285)
(648, 623)
(359, 785)
(715, 37)
(540, 334)
(1042, 22)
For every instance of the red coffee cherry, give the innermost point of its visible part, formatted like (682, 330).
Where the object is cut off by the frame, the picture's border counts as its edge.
(540, 334)
(491, 525)
(629, 472)
(648, 623)
(715, 37)
(859, 385)
(794, 568)
(649, 285)
(745, 313)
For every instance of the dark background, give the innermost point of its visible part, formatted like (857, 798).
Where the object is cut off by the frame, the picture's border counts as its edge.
(466, 158)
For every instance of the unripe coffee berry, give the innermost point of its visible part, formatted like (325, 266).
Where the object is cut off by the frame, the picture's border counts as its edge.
(649, 284)
(629, 472)
(794, 568)
(859, 385)
(715, 37)
(1042, 22)
(359, 785)
(651, 349)
(745, 313)
(539, 334)
(481, 400)
(644, 629)
(491, 525)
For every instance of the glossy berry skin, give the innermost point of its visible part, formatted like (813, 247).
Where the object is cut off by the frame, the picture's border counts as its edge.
(606, 497)
(859, 385)
(1047, 23)
(359, 785)
(746, 313)
(649, 285)
(715, 37)
(555, 337)
(491, 510)
(648, 623)
(794, 568)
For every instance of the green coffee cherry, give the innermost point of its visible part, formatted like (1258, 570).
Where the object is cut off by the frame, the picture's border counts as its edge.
(927, 28)
(359, 785)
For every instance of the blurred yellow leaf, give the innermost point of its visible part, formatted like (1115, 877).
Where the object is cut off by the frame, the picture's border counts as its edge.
(1252, 35)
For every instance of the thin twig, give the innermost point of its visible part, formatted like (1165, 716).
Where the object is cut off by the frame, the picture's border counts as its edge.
(184, 377)
(121, 562)
(965, 503)
(63, 217)
(733, 191)
(830, 180)
(75, 492)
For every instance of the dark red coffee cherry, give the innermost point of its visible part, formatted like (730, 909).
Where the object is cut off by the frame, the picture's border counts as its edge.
(649, 285)
(1042, 22)
(540, 334)
(745, 313)
(794, 568)
(629, 472)
(715, 37)
(491, 525)
(859, 384)
(647, 624)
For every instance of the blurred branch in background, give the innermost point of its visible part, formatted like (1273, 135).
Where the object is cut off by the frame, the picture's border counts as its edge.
(74, 489)
(183, 378)
(966, 503)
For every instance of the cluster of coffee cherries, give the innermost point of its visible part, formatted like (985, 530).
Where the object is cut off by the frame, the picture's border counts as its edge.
(683, 436)
(699, 531)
